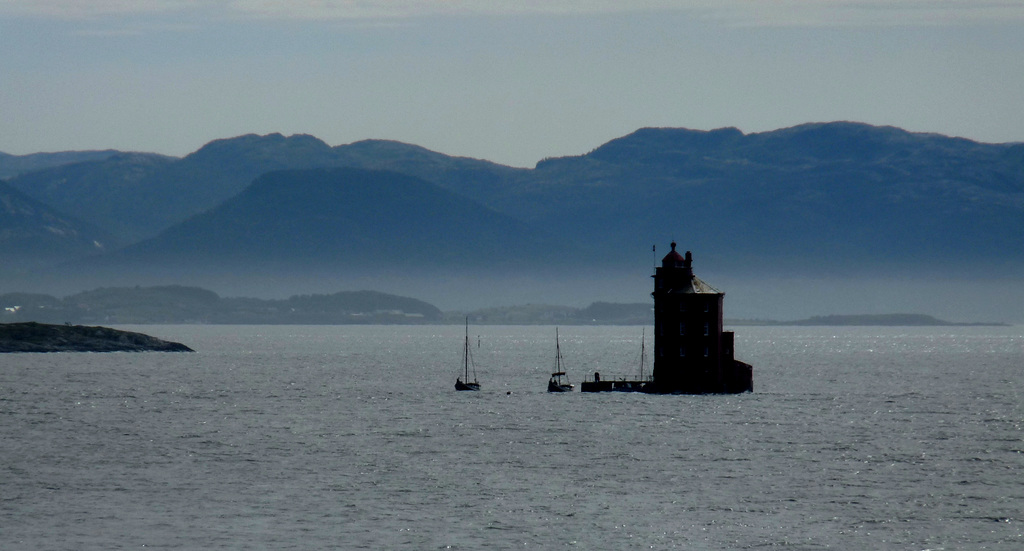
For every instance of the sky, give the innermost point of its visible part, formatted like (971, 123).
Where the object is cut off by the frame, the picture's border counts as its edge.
(510, 82)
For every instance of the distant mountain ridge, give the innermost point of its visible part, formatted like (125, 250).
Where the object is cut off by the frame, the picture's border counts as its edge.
(111, 193)
(834, 199)
(338, 218)
(32, 235)
(840, 189)
(843, 192)
(139, 194)
(12, 165)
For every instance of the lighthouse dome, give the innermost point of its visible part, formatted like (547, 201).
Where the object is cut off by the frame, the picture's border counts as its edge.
(673, 259)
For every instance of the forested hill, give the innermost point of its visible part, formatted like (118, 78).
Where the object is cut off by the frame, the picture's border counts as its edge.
(179, 304)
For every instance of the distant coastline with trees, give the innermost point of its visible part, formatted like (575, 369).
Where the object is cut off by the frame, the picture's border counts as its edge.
(193, 305)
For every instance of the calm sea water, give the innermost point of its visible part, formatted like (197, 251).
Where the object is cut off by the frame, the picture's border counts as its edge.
(353, 438)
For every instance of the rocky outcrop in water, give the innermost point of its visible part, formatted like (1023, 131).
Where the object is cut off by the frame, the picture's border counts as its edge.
(40, 337)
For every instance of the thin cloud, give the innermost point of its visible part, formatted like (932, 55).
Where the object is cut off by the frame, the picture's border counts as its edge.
(843, 13)
(352, 9)
(83, 9)
(733, 12)
(136, 30)
(729, 12)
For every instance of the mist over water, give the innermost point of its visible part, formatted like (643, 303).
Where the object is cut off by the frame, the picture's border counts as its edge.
(353, 437)
(749, 296)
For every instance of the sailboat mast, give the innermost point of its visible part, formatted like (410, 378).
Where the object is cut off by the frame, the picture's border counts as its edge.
(642, 353)
(558, 353)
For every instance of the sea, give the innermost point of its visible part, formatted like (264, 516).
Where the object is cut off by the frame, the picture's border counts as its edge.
(353, 437)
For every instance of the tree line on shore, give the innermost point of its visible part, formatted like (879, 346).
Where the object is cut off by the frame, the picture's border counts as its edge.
(193, 305)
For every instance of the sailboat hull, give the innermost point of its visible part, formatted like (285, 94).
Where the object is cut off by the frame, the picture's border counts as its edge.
(554, 387)
(555, 383)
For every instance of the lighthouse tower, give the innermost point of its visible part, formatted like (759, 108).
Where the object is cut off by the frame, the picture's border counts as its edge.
(692, 354)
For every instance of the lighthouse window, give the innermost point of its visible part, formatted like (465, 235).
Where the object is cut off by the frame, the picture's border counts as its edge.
(706, 328)
(707, 307)
(682, 328)
(682, 306)
(682, 351)
(705, 352)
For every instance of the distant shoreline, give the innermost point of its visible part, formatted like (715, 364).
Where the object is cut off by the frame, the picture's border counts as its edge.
(180, 305)
(869, 320)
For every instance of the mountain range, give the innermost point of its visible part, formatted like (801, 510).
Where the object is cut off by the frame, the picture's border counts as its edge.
(821, 214)
(35, 236)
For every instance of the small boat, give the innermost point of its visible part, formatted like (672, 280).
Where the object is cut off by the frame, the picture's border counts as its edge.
(467, 359)
(555, 383)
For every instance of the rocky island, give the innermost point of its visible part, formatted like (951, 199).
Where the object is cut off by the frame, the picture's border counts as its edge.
(41, 337)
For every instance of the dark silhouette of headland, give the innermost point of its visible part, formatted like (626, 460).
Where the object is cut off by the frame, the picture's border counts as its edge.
(42, 337)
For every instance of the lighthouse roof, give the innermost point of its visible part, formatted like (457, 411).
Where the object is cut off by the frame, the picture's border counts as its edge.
(673, 257)
(683, 280)
(698, 286)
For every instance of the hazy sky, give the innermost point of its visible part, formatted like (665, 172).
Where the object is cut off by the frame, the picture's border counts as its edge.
(479, 78)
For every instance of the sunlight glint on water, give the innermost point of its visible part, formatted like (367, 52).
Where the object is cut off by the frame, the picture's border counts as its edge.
(353, 437)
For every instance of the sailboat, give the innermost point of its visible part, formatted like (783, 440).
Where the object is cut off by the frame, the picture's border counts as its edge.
(555, 383)
(467, 359)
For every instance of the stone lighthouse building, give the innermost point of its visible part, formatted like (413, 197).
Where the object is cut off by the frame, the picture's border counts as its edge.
(692, 355)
